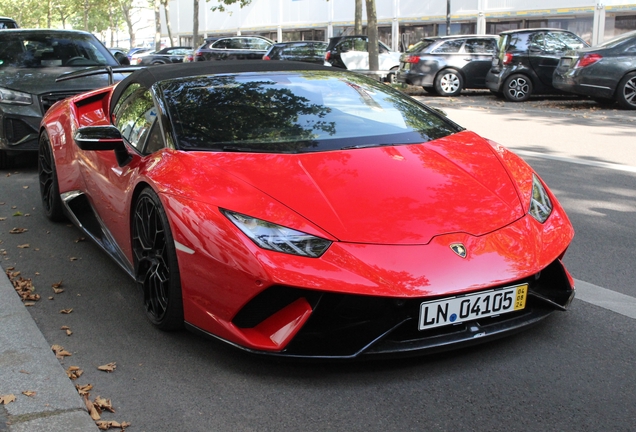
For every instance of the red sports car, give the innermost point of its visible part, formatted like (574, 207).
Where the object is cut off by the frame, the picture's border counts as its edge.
(296, 210)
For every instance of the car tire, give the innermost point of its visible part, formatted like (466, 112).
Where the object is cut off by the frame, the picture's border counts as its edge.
(49, 186)
(448, 83)
(626, 92)
(155, 262)
(157, 63)
(517, 88)
(391, 77)
(430, 90)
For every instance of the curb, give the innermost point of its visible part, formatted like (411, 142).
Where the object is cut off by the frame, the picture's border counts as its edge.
(28, 364)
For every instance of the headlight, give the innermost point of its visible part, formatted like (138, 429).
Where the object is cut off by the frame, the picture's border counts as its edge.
(540, 205)
(278, 238)
(15, 97)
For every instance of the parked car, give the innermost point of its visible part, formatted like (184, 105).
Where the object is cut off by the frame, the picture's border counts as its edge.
(164, 56)
(351, 52)
(189, 57)
(30, 61)
(526, 60)
(448, 64)
(8, 23)
(606, 72)
(305, 51)
(120, 55)
(137, 50)
(225, 191)
(233, 48)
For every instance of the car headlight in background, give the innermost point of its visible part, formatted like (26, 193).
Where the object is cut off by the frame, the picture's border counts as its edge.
(278, 238)
(15, 97)
(540, 204)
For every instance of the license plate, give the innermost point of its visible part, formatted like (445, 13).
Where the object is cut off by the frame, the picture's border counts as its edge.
(469, 307)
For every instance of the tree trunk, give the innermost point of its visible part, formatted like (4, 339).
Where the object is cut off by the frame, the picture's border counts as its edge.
(166, 11)
(372, 33)
(126, 10)
(111, 21)
(157, 25)
(357, 29)
(86, 9)
(49, 11)
(195, 25)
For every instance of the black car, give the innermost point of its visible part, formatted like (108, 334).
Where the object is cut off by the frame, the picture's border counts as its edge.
(30, 61)
(120, 54)
(165, 56)
(448, 64)
(526, 60)
(351, 52)
(233, 48)
(305, 51)
(606, 72)
(8, 23)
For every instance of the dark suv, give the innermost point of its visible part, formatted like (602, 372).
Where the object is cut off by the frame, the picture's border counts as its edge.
(8, 23)
(233, 48)
(305, 51)
(448, 64)
(526, 60)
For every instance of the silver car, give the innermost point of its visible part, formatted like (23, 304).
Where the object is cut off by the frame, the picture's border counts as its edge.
(447, 64)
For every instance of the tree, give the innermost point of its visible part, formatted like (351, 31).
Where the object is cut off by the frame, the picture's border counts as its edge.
(357, 28)
(166, 11)
(372, 34)
(195, 25)
(157, 7)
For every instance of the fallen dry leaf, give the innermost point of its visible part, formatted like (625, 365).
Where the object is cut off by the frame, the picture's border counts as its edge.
(103, 404)
(56, 284)
(74, 372)
(5, 399)
(25, 187)
(18, 230)
(105, 425)
(3, 218)
(91, 408)
(66, 311)
(60, 352)
(73, 259)
(29, 393)
(84, 389)
(110, 367)
(23, 246)
(24, 372)
(80, 239)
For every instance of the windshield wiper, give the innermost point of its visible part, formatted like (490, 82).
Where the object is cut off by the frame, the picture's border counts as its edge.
(360, 146)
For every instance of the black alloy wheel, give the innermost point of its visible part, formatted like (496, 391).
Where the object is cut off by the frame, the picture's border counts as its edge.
(156, 267)
(49, 187)
(626, 92)
(448, 83)
(517, 88)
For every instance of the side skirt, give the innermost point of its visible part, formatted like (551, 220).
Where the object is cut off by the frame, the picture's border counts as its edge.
(81, 213)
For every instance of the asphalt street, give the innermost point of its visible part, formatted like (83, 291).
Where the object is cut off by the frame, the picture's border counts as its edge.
(574, 371)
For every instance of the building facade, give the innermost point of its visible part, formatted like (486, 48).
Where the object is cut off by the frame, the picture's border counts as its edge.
(403, 22)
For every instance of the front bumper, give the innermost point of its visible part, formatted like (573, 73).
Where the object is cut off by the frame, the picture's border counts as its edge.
(344, 326)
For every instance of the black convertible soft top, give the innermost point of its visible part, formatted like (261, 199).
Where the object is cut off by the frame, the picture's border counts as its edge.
(148, 76)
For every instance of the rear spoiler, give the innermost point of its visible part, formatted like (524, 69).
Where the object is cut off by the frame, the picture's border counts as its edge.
(99, 70)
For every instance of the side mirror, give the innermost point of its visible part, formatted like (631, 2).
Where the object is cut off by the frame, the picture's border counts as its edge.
(100, 138)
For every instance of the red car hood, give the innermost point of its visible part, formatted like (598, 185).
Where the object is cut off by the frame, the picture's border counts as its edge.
(386, 195)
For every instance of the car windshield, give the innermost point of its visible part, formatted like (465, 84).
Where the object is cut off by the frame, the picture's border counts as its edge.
(290, 112)
(48, 49)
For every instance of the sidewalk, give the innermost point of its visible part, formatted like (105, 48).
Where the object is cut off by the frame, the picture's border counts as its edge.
(28, 364)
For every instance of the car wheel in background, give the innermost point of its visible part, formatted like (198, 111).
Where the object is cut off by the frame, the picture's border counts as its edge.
(49, 187)
(626, 91)
(430, 90)
(517, 88)
(155, 260)
(391, 77)
(448, 83)
(158, 62)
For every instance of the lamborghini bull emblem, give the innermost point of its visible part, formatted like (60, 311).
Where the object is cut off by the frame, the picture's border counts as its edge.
(459, 249)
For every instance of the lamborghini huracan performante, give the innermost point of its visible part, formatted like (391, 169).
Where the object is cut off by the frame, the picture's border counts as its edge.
(296, 210)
